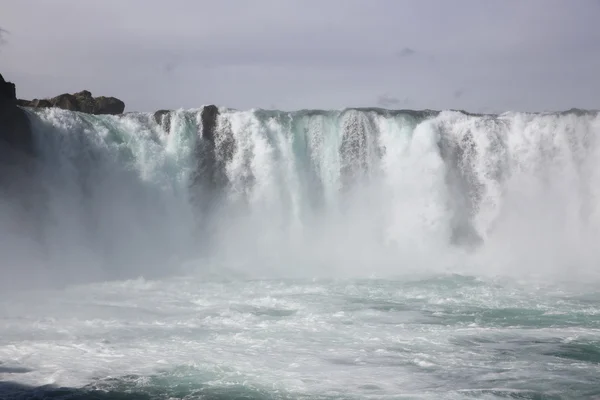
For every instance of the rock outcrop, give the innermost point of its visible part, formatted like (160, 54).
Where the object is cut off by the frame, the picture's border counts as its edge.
(81, 101)
(209, 178)
(7, 90)
(15, 129)
(163, 118)
(17, 159)
(209, 122)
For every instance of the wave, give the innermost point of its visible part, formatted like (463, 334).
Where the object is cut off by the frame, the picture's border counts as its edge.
(311, 192)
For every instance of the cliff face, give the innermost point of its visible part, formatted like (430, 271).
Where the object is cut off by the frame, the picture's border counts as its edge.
(15, 129)
(18, 186)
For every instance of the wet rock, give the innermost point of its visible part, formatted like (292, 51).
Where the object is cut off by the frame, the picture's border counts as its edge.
(163, 118)
(209, 122)
(209, 177)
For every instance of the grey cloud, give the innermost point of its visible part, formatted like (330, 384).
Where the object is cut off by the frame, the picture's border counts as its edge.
(406, 52)
(385, 100)
(3, 34)
(388, 101)
(169, 67)
(458, 93)
(254, 54)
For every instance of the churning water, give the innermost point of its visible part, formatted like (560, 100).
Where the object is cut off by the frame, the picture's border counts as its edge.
(313, 254)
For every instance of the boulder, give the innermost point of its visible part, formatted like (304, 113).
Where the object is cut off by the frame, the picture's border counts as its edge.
(66, 102)
(108, 105)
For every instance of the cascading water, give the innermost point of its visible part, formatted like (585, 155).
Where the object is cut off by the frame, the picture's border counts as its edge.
(309, 193)
(111, 197)
(258, 254)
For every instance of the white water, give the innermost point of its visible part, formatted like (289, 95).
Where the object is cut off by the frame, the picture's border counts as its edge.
(307, 195)
(113, 196)
(445, 337)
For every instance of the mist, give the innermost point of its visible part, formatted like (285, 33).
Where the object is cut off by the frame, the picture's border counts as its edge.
(307, 194)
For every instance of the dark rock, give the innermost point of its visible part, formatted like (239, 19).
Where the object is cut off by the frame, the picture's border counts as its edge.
(41, 103)
(158, 115)
(209, 122)
(209, 179)
(7, 90)
(81, 101)
(84, 94)
(35, 103)
(108, 105)
(66, 102)
(84, 102)
(15, 129)
(163, 118)
(209, 176)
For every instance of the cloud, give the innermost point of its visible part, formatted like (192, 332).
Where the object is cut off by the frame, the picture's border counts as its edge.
(388, 101)
(3, 33)
(385, 100)
(406, 52)
(169, 67)
(271, 51)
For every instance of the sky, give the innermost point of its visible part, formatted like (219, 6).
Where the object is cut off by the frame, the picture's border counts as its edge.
(481, 56)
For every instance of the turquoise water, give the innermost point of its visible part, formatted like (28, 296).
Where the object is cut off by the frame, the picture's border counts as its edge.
(432, 337)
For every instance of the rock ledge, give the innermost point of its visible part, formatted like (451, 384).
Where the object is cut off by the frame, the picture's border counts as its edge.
(81, 101)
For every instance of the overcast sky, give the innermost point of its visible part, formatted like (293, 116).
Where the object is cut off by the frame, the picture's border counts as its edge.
(291, 54)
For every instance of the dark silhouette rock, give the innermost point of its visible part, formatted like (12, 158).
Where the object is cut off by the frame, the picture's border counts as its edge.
(208, 174)
(15, 128)
(81, 101)
(7, 90)
(18, 164)
(208, 177)
(163, 118)
(209, 122)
